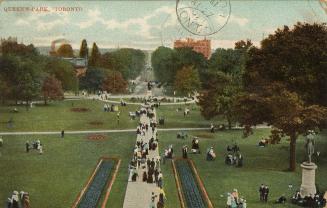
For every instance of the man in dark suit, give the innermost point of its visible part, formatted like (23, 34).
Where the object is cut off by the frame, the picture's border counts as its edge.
(261, 189)
(266, 193)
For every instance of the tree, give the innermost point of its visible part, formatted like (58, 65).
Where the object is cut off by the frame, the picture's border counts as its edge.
(22, 77)
(219, 95)
(52, 89)
(294, 56)
(115, 83)
(283, 110)
(187, 80)
(93, 79)
(130, 62)
(65, 50)
(166, 62)
(63, 71)
(162, 63)
(84, 50)
(95, 55)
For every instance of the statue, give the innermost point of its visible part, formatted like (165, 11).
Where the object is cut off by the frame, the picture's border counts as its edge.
(310, 145)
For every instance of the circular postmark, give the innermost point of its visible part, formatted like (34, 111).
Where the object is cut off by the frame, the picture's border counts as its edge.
(323, 4)
(203, 17)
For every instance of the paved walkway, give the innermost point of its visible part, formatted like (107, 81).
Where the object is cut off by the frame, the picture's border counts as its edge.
(138, 193)
(110, 131)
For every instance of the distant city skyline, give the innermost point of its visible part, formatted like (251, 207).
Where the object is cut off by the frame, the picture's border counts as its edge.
(146, 24)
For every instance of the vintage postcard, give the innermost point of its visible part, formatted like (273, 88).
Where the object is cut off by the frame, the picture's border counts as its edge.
(163, 103)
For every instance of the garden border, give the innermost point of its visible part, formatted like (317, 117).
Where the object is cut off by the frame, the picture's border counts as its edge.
(111, 182)
(198, 180)
(91, 177)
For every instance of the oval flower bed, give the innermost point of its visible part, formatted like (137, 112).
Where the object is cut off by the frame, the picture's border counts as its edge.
(92, 195)
(79, 109)
(193, 193)
(96, 137)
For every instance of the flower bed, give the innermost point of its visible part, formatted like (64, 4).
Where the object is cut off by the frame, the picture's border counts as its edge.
(96, 123)
(92, 195)
(79, 109)
(193, 192)
(96, 137)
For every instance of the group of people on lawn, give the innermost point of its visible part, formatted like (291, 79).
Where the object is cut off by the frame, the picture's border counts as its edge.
(235, 201)
(18, 200)
(234, 156)
(36, 145)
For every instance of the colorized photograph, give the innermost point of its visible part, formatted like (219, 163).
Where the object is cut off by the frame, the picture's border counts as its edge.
(163, 103)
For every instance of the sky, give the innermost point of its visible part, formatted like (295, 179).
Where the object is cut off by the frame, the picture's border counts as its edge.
(149, 24)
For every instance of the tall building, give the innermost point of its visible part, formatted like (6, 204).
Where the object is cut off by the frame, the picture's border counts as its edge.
(200, 46)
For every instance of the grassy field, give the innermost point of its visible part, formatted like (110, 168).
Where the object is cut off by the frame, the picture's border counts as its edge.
(261, 165)
(55, 178)
(175, 119)
(58, 115)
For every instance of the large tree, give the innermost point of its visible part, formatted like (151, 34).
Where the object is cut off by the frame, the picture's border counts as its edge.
(65, 50)
(187, 80)
(283, 110)
(115, 83)
(219, 95)
(95, 56)
(84, 50)
(294, 56)
(286, 82)
(63, 71)
(52, 89)
(93, 79)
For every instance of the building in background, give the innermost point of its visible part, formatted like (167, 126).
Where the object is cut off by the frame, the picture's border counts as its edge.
(200, 46)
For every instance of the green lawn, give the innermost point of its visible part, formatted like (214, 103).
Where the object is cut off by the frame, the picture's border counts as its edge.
(261, 165)
(55, 178)
(58, 115)
(175, 119)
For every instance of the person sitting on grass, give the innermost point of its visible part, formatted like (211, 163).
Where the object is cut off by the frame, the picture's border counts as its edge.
(211, 154)
(281, 200)
(195, 145)
(263, 142)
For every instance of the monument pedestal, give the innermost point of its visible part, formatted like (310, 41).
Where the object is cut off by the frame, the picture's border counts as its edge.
(308, 185)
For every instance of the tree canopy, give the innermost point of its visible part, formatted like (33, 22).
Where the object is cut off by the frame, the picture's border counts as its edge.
(84, 50)
(187, 80)
(115, 83)
(65, 50)
(294, 56)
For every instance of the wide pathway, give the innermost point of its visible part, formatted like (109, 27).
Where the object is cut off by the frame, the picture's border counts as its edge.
(138, 193)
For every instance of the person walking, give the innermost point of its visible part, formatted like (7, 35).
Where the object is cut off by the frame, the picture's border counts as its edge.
(62, 133)
(261, 189)
(266, 193)
(27, 145)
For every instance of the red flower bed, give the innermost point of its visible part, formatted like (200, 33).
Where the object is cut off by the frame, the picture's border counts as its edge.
(96, 123)
(96, 137)
(79, 109)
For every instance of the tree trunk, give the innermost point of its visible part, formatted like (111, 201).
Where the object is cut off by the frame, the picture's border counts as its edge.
(229, 121)
(45, 101)
(292, 153)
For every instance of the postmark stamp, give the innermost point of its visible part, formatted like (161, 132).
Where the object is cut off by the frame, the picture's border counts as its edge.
(203, 18)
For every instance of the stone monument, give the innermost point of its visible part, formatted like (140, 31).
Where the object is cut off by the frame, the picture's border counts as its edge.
(308, 186)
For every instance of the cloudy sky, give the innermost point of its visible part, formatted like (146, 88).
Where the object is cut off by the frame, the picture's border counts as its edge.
(147, 24)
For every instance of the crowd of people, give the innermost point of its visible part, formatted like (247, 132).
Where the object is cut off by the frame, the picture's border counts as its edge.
(313, 200)
(35, 145)
(234, 156)
(145, 162)
(18, 200)
(235, 201)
